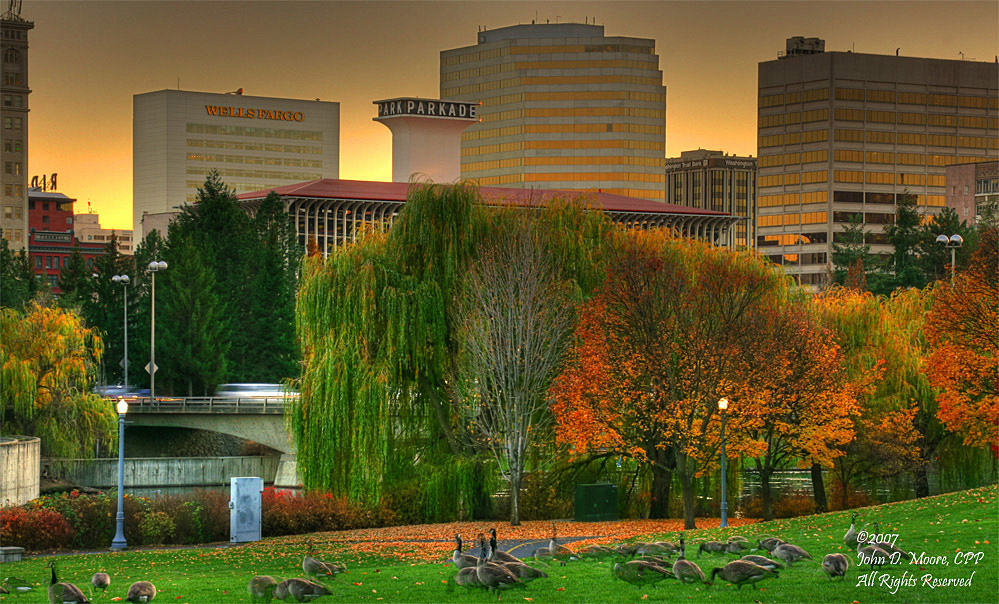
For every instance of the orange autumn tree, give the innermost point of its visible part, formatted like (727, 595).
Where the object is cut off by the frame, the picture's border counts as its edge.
(656, 348)
(882, 358)
(963, 330)
(795, 403)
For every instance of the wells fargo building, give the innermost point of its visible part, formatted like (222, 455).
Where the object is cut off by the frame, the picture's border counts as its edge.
(254, 142)
(563, 107)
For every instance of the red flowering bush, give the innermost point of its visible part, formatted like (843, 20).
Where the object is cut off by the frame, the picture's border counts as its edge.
(286, 513)
(34, 528)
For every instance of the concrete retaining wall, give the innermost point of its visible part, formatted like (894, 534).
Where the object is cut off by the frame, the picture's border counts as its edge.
(161, 471)
(20, 457)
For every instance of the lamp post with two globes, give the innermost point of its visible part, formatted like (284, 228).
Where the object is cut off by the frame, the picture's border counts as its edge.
(953, 242)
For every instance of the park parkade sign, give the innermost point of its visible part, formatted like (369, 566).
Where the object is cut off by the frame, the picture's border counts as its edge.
(427, 108)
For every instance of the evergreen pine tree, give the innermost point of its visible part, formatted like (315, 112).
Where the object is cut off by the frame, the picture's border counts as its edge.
(851, 256)
(905, 236)
(74, 281)
(17, 280)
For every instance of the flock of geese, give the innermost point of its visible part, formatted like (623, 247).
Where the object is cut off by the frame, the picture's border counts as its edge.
(494, 570)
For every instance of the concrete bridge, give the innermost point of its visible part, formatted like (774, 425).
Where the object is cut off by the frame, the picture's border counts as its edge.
(258, 419)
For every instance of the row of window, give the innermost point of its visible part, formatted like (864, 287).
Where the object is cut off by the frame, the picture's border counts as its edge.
(481, 87)
(864, 217)
(571, 160)
(577, 176)
(271, 175)
(574, 112)
(14, 101)
(575, 95)
(247, 146)
(13, 78)
(563, 144)
(792, 199)
(13, 123)
(798, 259)
(531, 49)
(787, 159)
(15, 34)
(916, 119)
(12, 190)
(793, 98)
(560, 128)
(794, 117)
(791, 239)
(12, 145)
(794, 138)
(12, 235)
(486, 70)
(888, 157)
(13, 168)
(889, 178)
(880, 96)
(473, 57)
(775, 220)
(13, 212)
(793, 178)
(290, 162)
(303, 135)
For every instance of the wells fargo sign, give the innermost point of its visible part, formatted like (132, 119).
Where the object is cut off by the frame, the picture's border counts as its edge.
(426, 107)
(260, 114)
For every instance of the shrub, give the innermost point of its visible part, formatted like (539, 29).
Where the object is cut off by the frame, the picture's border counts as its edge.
(157, 527)
(286, 513)
(855, 498)
(35, 528)
(91, 516)
(788, 504)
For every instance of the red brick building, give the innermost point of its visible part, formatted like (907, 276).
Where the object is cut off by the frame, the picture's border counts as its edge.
(51, 235)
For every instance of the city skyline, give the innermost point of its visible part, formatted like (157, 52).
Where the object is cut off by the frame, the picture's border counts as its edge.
(354, 53)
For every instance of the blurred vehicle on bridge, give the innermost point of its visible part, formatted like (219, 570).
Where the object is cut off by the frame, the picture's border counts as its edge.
(254, 391)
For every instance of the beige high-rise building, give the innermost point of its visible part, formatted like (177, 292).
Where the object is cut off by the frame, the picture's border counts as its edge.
(563, 107)
(844, 135)
(14, 154)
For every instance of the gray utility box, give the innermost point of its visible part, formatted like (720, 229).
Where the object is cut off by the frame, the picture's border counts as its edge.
(245, 509)
(596, 502)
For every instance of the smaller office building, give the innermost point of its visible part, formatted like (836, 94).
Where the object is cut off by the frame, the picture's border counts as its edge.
(714, 180)
(971, 188)
(52, 237)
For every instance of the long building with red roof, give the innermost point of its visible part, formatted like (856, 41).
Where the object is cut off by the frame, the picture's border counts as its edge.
(331, 211)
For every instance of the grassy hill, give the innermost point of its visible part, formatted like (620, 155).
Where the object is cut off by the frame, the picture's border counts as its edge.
(958, 530)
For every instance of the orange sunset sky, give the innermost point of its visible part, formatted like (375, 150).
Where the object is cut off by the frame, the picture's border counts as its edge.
(87, 60)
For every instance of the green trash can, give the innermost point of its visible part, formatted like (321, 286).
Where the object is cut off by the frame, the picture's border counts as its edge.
(596, 502)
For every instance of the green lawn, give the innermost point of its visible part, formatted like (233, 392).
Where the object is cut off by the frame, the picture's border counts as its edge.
(947, 525)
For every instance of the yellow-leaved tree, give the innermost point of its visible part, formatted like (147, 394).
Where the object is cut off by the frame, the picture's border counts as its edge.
(48, 359)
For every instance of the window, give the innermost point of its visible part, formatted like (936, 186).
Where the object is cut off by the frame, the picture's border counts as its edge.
(15, 100)
(12, 56)
(55, 261)
(38, 262)
(48, 262)
(965, 189)
(11, 78)
(45, 219)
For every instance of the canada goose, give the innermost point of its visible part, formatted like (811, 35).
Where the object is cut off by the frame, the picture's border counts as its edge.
(888, 547)
(494, 576)
(459, 559)
(763, 561)
(654, 549)
(873, 555)
(850, 538)
(522, 571)
(640, 572)
(141, 591)
(299, 590)
(495, 555)
(658, 561)
(262, 588)
(686, 571)
(595, 552)
(64, 593)
(736, 546)
(791, 553)
(712, 547)
(554, 550)
(468, 577)
(17, 585)
(100, 581)
(835, 565)
(739, 572)
(318, 568)
(770, 543)
(626, 549)
(737, 538)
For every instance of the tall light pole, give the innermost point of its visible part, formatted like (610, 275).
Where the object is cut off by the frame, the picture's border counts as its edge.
(123, 280)
(154, 267)
(953, 242)
(722, 406)
(119, 536)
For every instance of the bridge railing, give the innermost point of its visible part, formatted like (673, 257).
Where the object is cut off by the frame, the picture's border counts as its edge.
(207, 404)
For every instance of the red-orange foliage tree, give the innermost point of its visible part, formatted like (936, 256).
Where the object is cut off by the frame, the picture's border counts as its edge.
(794, 400)
(657, 347)
(963, 329)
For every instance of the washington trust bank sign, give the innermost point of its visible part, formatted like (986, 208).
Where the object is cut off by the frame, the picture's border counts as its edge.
(427, 108)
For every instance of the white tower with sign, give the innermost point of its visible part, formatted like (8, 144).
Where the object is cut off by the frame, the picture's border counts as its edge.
(426, 136)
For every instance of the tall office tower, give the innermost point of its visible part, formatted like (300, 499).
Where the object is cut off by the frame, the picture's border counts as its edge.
(563, 107)
(713, 180)
(254, 142)
(843, 135)
(14, 157)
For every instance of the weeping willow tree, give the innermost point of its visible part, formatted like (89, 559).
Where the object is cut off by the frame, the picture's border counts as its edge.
(380, 400)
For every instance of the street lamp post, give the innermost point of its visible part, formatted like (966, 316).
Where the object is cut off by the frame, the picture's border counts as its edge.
(722, 406)
(953, 242)
(154, 267)
(123, 280)
(119, 536)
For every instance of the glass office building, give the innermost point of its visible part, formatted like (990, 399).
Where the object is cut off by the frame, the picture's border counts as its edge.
(842, 136)
(255, 143)
(714, 180)
(563, 107)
